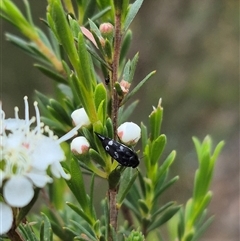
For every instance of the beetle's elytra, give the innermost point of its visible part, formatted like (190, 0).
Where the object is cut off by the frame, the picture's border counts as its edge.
(118, 151)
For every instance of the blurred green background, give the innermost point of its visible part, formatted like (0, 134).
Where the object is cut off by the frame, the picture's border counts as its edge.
(194, 46)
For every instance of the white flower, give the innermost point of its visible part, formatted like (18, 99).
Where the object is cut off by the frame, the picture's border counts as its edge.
(25, 156)
(79, 145)
(129, 133)
(6, 218)
(80, 117)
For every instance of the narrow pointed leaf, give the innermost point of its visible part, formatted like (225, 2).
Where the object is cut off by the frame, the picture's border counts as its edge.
(158, 146)
(76, 184)
(46, 230)
(143, 206)
(51, 74)
(127, 112)
(96, 157)
(85, 231)
(132, 13)
(137, 88)
(80, 212)
(162, 209)
(167, 185)
(127, 181)
(164, 218)
(125, 46)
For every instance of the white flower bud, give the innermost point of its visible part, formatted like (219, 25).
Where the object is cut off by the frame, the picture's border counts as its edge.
(79, 145)
(129, 133)
(80, 117)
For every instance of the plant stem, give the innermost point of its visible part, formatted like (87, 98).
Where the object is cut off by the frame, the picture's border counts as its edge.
(115, 65)
(112, 192)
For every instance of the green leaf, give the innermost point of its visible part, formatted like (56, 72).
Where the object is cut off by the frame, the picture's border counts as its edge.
(89, 233)
(164, 218)
(134, 194)
(188, 210)
(124, 114)
(142, 183)
(100, 94)
(102, 5)
(86, 98)
(96, 157)
(94, 28)
(162, 209)
(167, 185)
(114, 177)
(98, 58)
(55, 126)
(201, 230)
(74, 26)
(181, 224)
(12, 14)
(102, 112)
(45, 39)
(60, 26)
(108, 51)
(166, 164)
(26, 232)
(132, 13)
(28, 11)
(135, 209)
(101, 13)
(91, 197)
(104, 205)
(160, 181)
(126, 183)
(143, 206)
(126, 71)
(109, 127)
(76, 184)
(46, 233)
(216, 153)
(133, 67)
(189, 236)
(51, 74)
(89, 10)
(144, 135)
(125, 46)
(137, 88)
(157, 148)
(30, 48)
(100, 99)
(96, 228)
(155, 119)
(113, 232)
(81, 213)
(56, 189)
(200, 206)
(87, 76)
(59, 112)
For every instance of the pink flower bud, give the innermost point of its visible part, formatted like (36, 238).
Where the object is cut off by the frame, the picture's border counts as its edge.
(129, 133)
(80, 118)
(106, 28)
(107, 31)
(80, 145)
(125, 86)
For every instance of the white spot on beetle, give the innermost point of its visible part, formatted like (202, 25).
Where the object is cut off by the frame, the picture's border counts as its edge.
(116, 155)
(110, 143)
